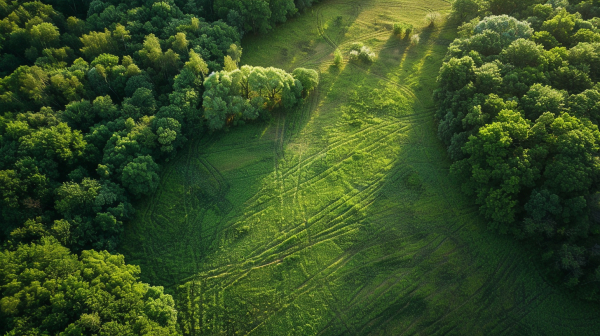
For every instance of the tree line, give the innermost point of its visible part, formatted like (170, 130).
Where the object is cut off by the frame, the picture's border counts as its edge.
(94, 97)
(518, 110)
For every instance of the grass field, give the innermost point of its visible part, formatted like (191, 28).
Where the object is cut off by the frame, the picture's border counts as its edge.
(339, 218)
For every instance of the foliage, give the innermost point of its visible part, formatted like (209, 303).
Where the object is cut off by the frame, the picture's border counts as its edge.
(415, 39)
(243, 94)
(140, 176)
(338, 58)
(402, 29)
(432, 18)
(48, 290)
(465, 10)
(94, 97)
(514, 110)
(309, 79)
(361, 53)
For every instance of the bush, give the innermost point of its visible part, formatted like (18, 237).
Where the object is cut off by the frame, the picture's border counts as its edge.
(465, 10)
(356, 46)
(309, 78)
(364, 55)
(402, 29)
(415, 39)
(398, 28)
(337, 57)
(432, 18)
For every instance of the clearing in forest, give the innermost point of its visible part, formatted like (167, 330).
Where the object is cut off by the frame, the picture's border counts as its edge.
(339, 217)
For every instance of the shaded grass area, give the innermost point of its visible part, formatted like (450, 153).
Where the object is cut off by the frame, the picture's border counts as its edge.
(339, 217)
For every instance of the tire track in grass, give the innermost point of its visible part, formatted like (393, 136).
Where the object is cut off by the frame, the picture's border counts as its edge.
(266, 254)
(279, 155)
(355, 300)
(403, 88)
(183, 230)
(509, 323)
(375, 299)
(345, 140)
(354, 137)
(223, 187)
(346, 257)
(336, 167)
(321, 30)
(410, 294)
(438, 290)
(297, 293)
(252, 265)
(415, 288)
(336, 310)
(495, 278)
(338, 143)
(317, 59)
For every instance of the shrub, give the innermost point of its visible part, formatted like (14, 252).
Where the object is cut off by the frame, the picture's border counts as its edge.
(432, 18)
(309, 78)
(408, 30)
(415, 39)
(402, 29)
(356, 46)
(398, 28)
(363, 55)
(337, 57)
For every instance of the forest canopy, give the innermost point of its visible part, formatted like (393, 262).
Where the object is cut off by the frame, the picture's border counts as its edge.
(518, 109)
(94, 97)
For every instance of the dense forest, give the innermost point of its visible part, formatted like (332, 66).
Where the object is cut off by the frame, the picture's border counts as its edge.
(518, 108)
(94, 97)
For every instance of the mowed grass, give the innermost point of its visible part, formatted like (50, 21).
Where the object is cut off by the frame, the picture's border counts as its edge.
(339, 217)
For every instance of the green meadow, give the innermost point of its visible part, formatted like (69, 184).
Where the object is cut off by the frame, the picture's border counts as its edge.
(339, 217)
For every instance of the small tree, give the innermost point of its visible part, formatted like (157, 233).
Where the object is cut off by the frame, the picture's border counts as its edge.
(363, 54)
(308, 78)
(140, 176)
(338, 21)
(337, 57)
(356, 46)
(432, 18)
(235, 52)
(398, 28)
(229, 64)
(415, 39)
(402, 29)
(465, 10)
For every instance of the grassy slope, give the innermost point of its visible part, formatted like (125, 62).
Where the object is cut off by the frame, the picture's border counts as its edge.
(339, 217)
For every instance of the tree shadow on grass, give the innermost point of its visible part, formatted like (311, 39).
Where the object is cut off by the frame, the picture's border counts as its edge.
(466, 280)
(235, 230)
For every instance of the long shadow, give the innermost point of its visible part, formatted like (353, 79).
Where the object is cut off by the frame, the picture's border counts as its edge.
(197, 205)
(330, 84)
(227, 227)
(463, 279)
(334, 85)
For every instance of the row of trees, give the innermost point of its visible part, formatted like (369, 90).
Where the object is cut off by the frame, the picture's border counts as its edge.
(244, 94)
(94, 96)
(518, 110)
